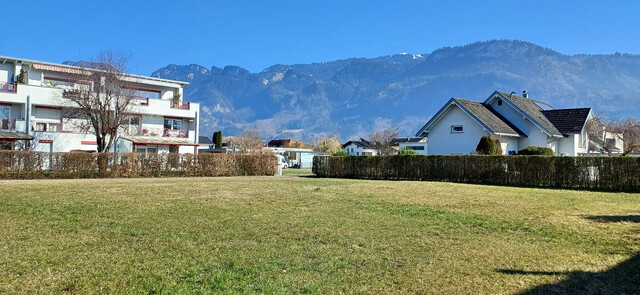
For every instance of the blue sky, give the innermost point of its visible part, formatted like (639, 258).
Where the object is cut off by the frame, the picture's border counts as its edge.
(258, 34)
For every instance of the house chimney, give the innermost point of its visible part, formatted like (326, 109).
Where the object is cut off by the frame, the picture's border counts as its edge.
(525, 94)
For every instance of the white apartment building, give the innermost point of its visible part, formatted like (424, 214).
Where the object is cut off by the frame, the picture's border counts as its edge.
(32, 116)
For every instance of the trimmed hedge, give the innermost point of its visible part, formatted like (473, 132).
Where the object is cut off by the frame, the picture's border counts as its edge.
(31, 165)
(604, 173)
(535, 150)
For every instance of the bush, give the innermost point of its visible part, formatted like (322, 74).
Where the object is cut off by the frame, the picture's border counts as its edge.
(489, 146)
(407, 152)
(536, 150)
(340, 153)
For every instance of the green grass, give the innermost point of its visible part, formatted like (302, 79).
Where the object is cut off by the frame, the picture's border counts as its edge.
(283, 235)
(293, 171)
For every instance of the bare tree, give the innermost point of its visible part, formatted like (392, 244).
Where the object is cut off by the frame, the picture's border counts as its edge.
(247, 142)
(102, 96)
(605, 135)
(327, 144)
(382, 140)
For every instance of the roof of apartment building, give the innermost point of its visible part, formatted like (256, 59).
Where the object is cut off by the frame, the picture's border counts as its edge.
(65, 68)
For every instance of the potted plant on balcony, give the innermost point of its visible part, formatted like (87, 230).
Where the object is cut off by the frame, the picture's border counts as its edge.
(175, 100)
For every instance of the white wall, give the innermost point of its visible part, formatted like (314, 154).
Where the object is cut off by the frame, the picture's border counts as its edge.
(444, 142)
(424, 151)
(354, 150)
(6, 72)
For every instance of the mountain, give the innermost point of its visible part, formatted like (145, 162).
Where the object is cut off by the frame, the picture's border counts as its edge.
(354, 96)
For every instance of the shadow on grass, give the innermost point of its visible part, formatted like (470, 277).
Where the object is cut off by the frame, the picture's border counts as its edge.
(615, 218)
(623, 278)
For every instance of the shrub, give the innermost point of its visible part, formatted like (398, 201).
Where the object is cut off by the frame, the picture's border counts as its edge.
(407, 152)
(340, 153)
(536, 150)
(489, 146)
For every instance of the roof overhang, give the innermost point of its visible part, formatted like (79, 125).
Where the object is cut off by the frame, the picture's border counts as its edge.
(13, 136)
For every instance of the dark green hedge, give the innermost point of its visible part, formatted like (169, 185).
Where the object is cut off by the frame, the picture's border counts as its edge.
(604, 173)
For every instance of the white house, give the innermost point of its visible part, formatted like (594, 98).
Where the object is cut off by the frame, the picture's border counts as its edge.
(516, 120)
(33, 118)
(418, 144)
(359, 148)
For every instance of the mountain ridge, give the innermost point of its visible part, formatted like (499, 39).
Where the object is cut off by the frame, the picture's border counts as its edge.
(353, 96)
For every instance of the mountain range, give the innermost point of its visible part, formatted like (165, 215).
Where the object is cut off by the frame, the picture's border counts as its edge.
(353, 97)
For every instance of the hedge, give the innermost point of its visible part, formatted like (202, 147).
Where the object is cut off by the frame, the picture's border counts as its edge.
(602, 173)
(31, 165)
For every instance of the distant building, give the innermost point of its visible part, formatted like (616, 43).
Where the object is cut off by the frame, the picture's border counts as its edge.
(360, 148)
(418, 144)
(32, 116)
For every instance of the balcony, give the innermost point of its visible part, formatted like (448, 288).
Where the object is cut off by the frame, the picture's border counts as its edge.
(164, 132)
(12, 125)
(181, 105)
(8, 87)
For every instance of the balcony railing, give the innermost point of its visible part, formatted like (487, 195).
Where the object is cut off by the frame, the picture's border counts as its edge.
(8, 87)
(163, 132)
(182, 106)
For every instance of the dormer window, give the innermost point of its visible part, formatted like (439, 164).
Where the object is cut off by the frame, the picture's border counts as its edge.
(456, 129)
(499, 102)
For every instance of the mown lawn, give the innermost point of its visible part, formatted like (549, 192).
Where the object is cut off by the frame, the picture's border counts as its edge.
(283, 235)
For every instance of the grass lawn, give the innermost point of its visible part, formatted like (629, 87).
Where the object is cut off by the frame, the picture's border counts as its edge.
(287, 235)
(293, 171)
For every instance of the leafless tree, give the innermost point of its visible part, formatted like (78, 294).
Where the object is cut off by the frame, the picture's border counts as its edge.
(247, 142)
(605, 134)
(101, 98)
(382, 140)
(327, 144)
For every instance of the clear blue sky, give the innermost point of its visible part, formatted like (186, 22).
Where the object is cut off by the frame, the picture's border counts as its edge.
(258, 34)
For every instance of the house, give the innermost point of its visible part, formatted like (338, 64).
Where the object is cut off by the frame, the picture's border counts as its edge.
(517, 121)
(205, 143)
(360, 148)
(418, 144)
(33, 118)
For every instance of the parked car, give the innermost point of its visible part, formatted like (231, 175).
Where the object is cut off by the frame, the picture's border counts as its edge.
(282, 161)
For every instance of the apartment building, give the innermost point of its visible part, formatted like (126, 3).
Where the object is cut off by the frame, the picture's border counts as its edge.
(33, 112)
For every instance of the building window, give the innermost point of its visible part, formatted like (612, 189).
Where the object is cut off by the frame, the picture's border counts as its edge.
(582, 139)
(499, 102)
(174, 124)
(416, 148)
(4, 112)
(456, 129)
(41, 127)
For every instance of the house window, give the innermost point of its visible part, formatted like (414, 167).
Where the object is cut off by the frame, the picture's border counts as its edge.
(173, 124)
(358, 153)
(456, 129)
(499, 102)
(416, 148)
(352, 150)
